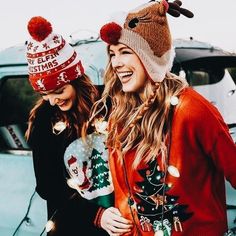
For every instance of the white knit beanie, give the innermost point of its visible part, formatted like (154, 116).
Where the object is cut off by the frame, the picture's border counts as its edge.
(52, 62)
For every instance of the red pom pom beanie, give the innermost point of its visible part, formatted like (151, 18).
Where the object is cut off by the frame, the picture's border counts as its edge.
(145, 30)
(52, 62)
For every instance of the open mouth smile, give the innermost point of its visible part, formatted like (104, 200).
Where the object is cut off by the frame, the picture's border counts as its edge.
(124, 76)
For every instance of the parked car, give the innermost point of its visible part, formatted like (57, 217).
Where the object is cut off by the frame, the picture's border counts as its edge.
(22, 211)
(209, 70)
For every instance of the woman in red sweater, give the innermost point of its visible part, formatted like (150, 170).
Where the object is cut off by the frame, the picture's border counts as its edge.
(170, 150)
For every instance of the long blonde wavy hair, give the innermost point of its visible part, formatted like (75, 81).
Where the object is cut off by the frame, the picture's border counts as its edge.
(135, 123)
(86, 95)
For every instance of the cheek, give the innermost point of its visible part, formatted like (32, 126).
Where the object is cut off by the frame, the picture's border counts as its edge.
(69, 95)
(141, 79)
(45, 99)
(73, 96)
(113, 63)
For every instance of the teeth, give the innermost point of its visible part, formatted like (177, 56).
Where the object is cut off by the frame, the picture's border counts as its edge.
(123, 74)
(60, 104)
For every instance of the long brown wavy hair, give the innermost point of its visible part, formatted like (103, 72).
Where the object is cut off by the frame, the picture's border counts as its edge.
(135, 123)
(86, 95)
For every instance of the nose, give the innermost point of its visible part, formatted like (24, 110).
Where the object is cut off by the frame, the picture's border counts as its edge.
(51, 98)
(116, 62)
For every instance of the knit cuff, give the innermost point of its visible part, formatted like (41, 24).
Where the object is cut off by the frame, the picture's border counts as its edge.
(97, 221)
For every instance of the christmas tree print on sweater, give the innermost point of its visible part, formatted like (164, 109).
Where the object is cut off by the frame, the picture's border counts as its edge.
(157, 210)
(100, 172)
(87, 165)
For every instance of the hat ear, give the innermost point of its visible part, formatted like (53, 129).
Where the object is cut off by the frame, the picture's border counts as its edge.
(164, 6)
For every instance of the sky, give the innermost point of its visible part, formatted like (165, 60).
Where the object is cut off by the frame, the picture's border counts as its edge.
(213, 21)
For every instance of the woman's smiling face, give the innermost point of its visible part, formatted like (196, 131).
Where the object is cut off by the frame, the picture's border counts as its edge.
(63, 97)
(128, 68)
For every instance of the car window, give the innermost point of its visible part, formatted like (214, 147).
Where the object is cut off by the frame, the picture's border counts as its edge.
(232, 72)
(16, 101)
(12, 137)
(204, 76)
(232, 131)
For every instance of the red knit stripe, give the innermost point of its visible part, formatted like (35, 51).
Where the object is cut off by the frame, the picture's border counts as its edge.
(97, 221)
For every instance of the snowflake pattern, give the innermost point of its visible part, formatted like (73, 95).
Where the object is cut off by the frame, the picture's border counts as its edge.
(46, 46)
(30, 45)
(56, 39)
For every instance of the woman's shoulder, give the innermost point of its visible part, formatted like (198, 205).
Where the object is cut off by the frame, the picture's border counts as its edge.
(43, 117)
(193, 106)
(44, 112)
(193, 101)
(42, 130)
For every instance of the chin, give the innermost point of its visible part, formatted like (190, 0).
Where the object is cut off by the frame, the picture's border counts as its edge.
(126, 89)
(65, 108)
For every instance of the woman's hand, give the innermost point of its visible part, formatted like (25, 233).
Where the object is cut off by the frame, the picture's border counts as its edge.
(114, 223)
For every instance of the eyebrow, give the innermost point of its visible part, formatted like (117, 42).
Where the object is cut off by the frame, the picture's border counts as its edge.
(43, 93)
(48, 92)
(120, 49)
(52, 91)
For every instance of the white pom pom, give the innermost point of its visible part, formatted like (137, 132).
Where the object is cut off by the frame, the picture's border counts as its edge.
(174, 100)
(182, 74)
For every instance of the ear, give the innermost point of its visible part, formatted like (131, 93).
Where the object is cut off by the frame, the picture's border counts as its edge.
(163, 8)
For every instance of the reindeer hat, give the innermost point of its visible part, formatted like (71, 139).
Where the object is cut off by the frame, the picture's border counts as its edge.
(145, 30)
(52, 62)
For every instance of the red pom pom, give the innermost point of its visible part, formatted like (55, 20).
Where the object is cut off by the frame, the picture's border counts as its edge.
(39, 28)
(110, 33)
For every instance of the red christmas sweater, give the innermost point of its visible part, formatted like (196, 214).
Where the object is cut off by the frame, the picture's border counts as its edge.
(191, 200)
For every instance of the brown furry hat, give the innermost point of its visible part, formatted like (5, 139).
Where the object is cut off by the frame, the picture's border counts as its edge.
(145, 30)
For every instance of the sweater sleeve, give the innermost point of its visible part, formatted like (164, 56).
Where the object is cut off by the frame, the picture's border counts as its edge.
(224, 154)
(212, 135)
(48, 161)
(83, 214)
(216, 138)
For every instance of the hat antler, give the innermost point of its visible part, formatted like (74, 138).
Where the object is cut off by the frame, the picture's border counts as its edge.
(176, 10)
